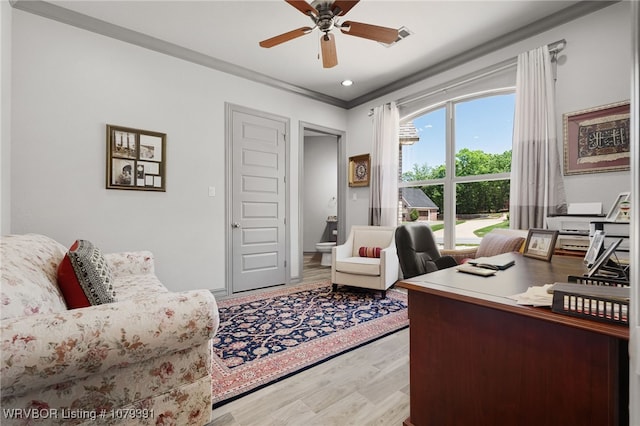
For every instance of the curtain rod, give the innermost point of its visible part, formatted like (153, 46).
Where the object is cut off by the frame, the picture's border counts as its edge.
(554, 48)
(557, 46)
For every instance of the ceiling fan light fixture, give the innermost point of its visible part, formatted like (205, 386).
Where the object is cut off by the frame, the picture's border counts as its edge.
(323, 14)
(347, 83)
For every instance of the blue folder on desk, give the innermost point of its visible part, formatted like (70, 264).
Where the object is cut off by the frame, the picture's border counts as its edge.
(499, 262)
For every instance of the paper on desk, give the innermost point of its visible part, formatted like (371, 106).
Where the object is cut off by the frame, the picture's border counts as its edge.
(536, 296)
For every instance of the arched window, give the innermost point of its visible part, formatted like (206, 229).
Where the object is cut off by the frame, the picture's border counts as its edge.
(457, 174)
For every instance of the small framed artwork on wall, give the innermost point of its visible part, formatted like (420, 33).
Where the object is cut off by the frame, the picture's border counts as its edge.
(359, 170)
(136, 159)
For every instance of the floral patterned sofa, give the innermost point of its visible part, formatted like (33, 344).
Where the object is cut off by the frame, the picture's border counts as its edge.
(144, 359)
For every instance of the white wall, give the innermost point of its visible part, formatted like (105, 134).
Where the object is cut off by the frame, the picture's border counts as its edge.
(584, 83)
(69, 83)
(587, 77)
(320, 187)
(5, 117)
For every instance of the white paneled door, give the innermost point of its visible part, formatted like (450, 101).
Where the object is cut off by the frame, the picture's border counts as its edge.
(258, 223)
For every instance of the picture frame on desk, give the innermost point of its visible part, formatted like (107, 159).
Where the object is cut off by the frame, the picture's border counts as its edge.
(540, 244)
(614, 212)
(599, 265)
(595, 248)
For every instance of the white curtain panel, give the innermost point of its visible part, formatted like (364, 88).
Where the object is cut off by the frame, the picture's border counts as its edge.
(383, 188)
(537, 188)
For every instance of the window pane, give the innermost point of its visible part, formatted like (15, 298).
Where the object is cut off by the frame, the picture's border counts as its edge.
(481, 206)
(483, 134)
(425, 159)
(481, 145)
(425, 204)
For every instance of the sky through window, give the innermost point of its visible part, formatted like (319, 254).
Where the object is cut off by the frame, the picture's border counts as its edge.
(484, 124)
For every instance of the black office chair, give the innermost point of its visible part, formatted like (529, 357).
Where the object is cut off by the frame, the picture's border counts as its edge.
(417, 251)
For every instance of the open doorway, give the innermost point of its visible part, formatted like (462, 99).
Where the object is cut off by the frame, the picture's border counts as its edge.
(322, 197)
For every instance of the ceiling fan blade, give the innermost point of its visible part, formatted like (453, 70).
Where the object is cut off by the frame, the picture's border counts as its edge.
(329, 54)
(371, 32)
(274, 41)
(343, 5)
(303, 7)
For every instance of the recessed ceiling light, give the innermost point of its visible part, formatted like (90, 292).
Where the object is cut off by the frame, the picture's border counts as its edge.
(347, 83)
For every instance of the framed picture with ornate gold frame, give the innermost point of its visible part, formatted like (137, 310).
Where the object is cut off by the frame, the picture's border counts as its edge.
(136, 159)
(359, 170)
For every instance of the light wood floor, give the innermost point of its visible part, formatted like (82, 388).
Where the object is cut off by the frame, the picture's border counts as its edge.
(367, 386)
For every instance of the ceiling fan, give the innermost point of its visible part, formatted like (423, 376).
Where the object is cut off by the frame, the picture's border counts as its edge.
(324, 15)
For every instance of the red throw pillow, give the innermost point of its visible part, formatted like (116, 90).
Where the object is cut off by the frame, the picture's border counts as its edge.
(369, 251)
(84, 277)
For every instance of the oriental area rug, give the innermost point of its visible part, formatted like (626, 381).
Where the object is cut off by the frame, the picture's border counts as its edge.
(269, 336)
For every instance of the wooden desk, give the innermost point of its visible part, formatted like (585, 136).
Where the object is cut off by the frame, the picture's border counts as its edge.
(478, 358)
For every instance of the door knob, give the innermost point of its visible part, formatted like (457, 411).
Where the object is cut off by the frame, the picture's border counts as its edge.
(235, 225)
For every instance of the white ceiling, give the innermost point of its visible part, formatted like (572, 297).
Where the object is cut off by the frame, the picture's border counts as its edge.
(225, 35)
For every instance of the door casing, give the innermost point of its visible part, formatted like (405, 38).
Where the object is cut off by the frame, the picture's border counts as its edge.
(230, 109)
(342, 185)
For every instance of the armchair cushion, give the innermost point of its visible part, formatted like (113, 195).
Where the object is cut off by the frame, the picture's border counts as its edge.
(369, 251)
(359, 266)
(375, 236)
(493, 244)
(84, 276)
(42, 350)
(28, 271)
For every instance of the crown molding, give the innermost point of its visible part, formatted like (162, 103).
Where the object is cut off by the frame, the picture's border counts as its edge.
(60, 14)
(561, 17)
(79, 20)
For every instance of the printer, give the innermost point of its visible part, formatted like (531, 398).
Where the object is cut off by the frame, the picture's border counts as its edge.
(573, 227)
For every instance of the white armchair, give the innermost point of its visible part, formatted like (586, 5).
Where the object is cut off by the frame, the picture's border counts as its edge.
(349, 268)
